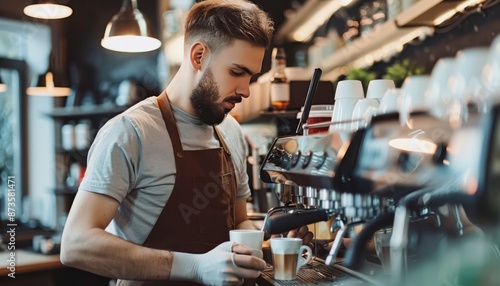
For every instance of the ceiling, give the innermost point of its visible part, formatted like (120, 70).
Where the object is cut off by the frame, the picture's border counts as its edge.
(14, 8)
(276, 9)
(83, 48)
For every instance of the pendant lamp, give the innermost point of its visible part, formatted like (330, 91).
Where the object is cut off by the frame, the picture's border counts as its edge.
(3, 86)
(49, 89)
(129, 31)
(47, 9)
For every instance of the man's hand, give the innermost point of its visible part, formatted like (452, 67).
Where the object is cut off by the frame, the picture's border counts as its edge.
(226, 264)
(302, 232)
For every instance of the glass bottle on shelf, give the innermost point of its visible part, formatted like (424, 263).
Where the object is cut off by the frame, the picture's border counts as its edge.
(280, 88)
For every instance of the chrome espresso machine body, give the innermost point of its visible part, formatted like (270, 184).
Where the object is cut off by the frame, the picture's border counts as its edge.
(430, 183)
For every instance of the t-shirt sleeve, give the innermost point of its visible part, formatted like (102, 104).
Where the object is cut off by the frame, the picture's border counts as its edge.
(113, 159)
(243, 187)
(237, 143)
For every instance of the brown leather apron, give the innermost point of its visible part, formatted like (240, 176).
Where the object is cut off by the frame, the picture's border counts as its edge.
(200, 210)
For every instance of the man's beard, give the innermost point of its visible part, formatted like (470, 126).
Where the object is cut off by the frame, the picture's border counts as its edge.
(204, 100)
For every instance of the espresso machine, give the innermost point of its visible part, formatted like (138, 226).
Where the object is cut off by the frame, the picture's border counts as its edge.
(434, 186)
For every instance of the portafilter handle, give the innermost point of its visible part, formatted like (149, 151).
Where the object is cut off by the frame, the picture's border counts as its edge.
(283, 222)
(285, 208)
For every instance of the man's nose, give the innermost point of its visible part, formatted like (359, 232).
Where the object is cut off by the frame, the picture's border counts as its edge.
(244, 90)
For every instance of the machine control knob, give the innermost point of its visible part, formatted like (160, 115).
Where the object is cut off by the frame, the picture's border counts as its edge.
(295, 158)
(321, 160)
(307, 159)
(279, 158)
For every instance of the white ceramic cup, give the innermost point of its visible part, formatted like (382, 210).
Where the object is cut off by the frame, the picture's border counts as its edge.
(287, 257)
(82, 136)
(413, 95)
(363, 111)
(349, 88)
(378, 87)
(347, 94)
(390, 101)
(248, 237)
(466, 85)
(491, 69)
(438, 94)
(68, 136)
(466, 81)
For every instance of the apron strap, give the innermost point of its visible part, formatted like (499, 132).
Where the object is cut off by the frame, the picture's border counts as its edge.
(169, 119)
(221, 140)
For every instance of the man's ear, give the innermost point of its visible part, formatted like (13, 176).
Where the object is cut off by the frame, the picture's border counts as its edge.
(197, 54)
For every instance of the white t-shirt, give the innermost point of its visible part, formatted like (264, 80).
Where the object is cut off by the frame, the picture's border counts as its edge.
(131, 160)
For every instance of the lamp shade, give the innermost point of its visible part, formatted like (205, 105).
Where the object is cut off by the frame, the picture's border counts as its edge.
(3, 86)
(49, 89)
(47, 9)
(129, 31)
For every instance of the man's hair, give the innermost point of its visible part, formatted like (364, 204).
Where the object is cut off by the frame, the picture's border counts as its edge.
(219, 22)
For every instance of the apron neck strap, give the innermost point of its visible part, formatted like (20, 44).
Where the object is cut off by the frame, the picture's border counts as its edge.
(168, 117)
(221, 140)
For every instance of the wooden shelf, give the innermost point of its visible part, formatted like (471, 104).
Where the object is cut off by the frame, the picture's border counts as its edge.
(426, 12)
(415, 22)
(86, 112)
(302, 15)
(283, 113)
(29, 262)
(61, 150)
(66, 191)
(364, 51)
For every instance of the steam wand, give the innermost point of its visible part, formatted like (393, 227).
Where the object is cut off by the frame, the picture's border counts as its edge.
(309, 98)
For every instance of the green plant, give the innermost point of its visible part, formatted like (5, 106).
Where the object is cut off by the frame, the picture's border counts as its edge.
(400, 70)
(362, 75)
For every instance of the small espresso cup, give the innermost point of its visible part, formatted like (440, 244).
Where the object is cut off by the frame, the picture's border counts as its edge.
(287, 257)
(249, 237)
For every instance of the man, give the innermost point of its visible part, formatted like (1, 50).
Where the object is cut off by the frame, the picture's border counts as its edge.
(166, 180)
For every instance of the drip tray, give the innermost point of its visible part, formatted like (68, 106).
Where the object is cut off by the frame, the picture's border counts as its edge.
(314, 273)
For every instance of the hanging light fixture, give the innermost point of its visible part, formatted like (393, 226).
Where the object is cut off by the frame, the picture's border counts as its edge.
(49, 89)
(129, 31)
(3, 86)
(47, 9)
(45, 84)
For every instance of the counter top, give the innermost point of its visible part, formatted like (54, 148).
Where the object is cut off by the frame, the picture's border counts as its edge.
(29, 261)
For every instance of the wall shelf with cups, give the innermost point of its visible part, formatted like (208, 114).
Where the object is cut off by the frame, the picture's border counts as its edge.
(76, 128)
(383, 42)
(411, 20)
(93, 111)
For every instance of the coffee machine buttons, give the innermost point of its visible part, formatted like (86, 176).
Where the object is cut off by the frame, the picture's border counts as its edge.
(295, 158)
(307, 159)
(279, 158)
(321, 160)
